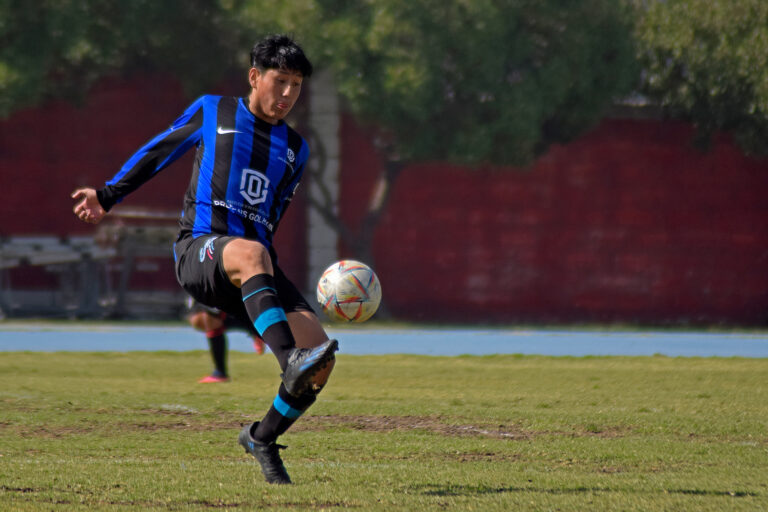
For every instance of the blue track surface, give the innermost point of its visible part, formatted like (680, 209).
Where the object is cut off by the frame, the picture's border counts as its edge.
(435, 342)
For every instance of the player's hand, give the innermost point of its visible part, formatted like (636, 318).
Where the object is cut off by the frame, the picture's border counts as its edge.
(87, 209)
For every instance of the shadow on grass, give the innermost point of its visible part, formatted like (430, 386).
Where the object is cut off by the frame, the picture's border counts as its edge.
(704, 492)
(477, 490)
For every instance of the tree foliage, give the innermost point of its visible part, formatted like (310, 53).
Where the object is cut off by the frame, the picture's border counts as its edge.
(60, 48)
(479, 80)
(707, 61)
(463, 80)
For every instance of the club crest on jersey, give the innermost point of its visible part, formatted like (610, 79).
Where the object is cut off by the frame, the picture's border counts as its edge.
(291, 155)
(207, 249)
(254, 186)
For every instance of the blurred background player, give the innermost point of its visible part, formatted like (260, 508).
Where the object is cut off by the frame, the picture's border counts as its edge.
(215, 324)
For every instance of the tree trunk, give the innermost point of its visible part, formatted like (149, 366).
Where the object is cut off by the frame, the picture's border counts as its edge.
(363, 243)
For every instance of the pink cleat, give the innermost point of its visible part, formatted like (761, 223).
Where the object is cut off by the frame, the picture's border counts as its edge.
(212, 379)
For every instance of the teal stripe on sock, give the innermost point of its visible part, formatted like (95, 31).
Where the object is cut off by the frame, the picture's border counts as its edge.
(257, 291)
(268, 318)
(285, 409)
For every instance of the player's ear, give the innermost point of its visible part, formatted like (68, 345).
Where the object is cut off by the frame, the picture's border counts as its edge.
(253, 77)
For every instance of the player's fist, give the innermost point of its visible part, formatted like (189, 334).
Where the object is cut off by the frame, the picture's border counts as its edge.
(87, 207)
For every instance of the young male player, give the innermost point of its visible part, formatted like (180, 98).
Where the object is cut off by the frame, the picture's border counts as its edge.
(215, 324)
(248, 164)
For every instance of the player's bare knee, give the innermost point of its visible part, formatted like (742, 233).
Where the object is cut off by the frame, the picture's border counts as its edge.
(244, 259)
(257, 257)
(204, 321)
(197, 320)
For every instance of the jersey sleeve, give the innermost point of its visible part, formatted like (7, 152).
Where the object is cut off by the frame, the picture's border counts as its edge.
(155, 155)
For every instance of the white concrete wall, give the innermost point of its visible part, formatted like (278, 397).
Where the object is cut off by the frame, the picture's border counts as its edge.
(324, 165)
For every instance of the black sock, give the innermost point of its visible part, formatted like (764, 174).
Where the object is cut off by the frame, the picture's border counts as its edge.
(285, 410)
(217, 343)
(268, 316)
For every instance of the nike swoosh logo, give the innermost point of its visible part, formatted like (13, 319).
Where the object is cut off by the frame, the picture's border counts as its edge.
(222, 131)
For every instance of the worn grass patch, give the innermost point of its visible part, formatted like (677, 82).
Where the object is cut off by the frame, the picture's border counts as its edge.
(133, 431)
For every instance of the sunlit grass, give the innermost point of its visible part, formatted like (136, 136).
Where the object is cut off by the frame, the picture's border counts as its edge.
(133, 431)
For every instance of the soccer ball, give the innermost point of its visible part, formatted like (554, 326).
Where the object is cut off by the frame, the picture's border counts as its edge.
(349, 291)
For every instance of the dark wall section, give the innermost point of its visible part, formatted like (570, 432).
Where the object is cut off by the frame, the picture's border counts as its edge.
(627, 224)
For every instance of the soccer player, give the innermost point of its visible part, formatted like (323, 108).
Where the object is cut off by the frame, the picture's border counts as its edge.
(247, 166)
(215, 324)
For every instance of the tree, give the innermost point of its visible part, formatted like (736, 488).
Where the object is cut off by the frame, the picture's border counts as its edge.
(707, 61)
(60, 48)
(473, 81)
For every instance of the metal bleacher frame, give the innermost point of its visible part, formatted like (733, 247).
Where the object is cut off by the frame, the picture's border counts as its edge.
(75, 262)
(92, 274)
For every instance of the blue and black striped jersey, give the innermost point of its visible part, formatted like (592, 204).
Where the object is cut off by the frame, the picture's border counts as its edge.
(245, 172)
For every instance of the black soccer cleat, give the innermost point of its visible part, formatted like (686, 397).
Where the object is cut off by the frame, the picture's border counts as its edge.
(304, 363)
(267, 454)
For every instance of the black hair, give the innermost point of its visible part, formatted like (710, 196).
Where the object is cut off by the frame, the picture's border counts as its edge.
(280, 52)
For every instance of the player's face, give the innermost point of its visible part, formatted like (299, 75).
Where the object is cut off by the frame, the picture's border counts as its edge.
(273, 93)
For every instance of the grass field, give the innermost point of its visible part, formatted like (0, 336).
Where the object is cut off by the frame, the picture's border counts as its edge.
(133, 431)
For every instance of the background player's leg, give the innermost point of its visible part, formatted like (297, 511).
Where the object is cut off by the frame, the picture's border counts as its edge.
(215, 332)
(258, 344)
(217, 344)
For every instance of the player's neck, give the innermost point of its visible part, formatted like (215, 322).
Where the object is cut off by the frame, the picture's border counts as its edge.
(256, 110)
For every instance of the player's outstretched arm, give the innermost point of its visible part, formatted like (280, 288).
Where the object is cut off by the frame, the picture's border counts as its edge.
(88, 209)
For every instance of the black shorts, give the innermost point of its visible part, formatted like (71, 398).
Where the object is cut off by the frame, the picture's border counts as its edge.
(199, 270)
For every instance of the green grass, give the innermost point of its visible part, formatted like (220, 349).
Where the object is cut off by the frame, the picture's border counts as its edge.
(116, 431)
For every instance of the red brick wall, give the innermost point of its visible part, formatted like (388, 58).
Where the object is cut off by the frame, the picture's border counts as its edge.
(626, 224)
(46, 153)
